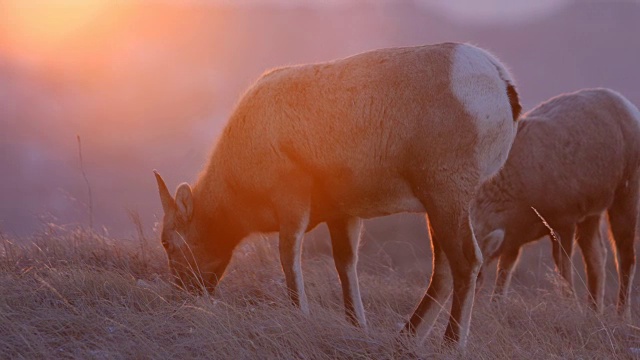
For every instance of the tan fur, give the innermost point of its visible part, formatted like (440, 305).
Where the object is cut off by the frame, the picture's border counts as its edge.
(575, 158)
(370, 135)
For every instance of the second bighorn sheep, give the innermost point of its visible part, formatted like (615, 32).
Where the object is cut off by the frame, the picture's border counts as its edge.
(413, 129)
(576, 157)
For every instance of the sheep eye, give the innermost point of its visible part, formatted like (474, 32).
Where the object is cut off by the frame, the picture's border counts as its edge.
(168, 246)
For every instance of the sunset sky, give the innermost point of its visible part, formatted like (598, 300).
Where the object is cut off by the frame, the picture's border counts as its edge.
(42, 27)
(38, 31)
(150, 83)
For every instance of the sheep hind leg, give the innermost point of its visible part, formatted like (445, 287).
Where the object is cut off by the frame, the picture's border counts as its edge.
(451, 237)
(437, 293)
(465, 260)
(594, 253)
(623, 220)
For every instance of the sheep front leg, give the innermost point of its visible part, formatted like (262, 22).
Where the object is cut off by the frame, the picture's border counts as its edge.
(562, 253)
(508, 260)
(292, 231)
(345, 236)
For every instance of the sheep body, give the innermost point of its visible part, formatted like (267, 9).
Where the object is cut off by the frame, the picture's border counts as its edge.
(575, 158)
(394, 130)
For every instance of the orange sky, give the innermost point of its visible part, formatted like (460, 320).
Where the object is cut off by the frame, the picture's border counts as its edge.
(49, 30)
(37, 30)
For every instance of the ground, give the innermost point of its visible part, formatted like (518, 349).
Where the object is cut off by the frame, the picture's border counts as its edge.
(75, 294)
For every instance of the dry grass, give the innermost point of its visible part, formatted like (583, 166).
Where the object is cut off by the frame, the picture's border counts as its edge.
(74, 294)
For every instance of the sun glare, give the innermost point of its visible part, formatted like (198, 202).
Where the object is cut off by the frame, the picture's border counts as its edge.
(42, 28)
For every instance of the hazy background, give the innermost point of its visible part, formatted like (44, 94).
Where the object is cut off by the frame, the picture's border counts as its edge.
(149, 84)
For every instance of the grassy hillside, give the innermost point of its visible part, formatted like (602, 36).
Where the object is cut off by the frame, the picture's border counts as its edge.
(74, 294)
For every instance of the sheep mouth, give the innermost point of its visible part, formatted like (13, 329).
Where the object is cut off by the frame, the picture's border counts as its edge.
(196, 284)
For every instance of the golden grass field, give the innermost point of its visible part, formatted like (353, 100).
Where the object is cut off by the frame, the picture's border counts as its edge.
(72, 294)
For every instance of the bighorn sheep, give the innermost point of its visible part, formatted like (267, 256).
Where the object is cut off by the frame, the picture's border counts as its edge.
(413, 129)
(575, 157)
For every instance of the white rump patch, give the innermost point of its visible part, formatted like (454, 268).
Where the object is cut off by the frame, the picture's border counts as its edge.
(478, 81)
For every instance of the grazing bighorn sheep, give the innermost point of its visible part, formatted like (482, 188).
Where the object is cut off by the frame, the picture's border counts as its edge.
(413, 129)
(575, 157)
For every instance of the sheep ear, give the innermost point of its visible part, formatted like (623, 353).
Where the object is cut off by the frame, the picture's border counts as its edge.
(184, 201)
(491, 243)
(168, 204)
